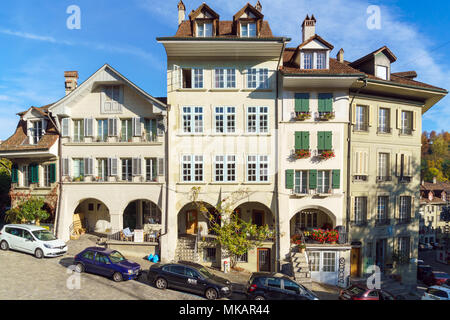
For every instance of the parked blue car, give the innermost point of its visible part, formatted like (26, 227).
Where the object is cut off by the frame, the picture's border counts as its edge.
(107, 262)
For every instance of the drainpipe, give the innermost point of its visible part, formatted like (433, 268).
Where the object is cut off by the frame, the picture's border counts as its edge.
(166, 161)
(277, 205)
(349, 132)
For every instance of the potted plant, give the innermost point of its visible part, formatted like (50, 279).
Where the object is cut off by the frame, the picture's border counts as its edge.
(302, 247)
(327, 154)
(327, 116)
(302, 154)
(302, 116)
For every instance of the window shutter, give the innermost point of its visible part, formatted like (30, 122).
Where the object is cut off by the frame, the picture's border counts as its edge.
(321, 140)
(161, 167)
(52, 172)
(154, 127)
(137, 127)
(369, 115)
(14, 174)
(408, 165)
(399, 119)
(352, 209)
(34, 173)
(305, 140)
(65, 167)
(313, 179)
(355, 162)
(65, 127)
(161, 128)
(328, 140)
(353, 113)
(325, 102)
(336, 179)
(112, 167)
(290, 179)
(88, 127)
(414, 121)
(298, 141)
(397, 164)
(44, 126)
(302, 102)
(366, 163)
(112, 127)
(176, 77)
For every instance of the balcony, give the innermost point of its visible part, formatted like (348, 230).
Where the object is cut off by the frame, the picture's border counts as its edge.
(301, 116)
(361, 127)
(405, 220)
(382, 222)
(404, 179)
(359, 223)
(360, 178)
(406, 131)
(384, 178)
(384, 130)
(325, 116)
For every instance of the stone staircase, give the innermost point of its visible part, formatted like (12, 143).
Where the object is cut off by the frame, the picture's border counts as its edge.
(301, 271)
(186, 249)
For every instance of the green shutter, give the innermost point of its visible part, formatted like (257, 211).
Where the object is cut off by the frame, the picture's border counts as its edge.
(34, 173)
(321, 140)
(325, 102)
(328, 140)
(14, 174)
(289, 179)
(302, 102)
(336, 180)
(52, 168)
(305, 140)
(298, 140)
(313, 179)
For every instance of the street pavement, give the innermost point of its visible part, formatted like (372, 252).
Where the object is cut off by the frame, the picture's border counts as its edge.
(429, 258)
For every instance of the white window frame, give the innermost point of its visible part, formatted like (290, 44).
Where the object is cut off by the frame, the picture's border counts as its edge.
(228, 119)
(382, 207)
(129, 169)
(383, 164)
(259, 112)
(384, 119)
(80, 130)
(300, 177)
(257, 78)
(308, 60)
(382, 74)
(80, 163)
(150, 169)
(202, 31)
(101, 127)
(192, 161)
(259, 161)
(249, 31)
(102, 169)
(321, 60)
(224, 78)
(360, 209)
(229, 170)
(115, 101)
(196, 119)
(405, 208)
(323, 176)
(37, 131)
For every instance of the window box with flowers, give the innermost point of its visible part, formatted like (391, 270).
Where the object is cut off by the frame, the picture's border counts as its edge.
(302, 116)
(326, 116)
(302, 154)
(326, 154)
(325, 236)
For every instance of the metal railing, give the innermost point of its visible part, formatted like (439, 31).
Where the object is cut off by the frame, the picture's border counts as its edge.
(406, 131)
(404, 179)
(382, 222)
(384, 130)
(384, 178)
(361, 127)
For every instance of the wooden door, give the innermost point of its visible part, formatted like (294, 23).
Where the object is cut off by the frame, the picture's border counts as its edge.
(355, 262)
(191, 222)
(263, 260)
(258, 218)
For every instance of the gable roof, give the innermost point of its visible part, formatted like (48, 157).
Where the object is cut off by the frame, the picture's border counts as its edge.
(248, 6)
(226, 30)
(406, 74)
(194, 14)
(371, 55)
(318, 38)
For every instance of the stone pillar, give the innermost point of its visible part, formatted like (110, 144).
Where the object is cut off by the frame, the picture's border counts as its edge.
(116, 221)
(169, 234)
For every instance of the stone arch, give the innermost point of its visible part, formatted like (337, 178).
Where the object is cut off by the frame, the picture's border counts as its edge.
(93, 214)
(142, 214)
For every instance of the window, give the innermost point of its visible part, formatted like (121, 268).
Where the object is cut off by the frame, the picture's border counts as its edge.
(177, 269)
(248, 29)
(325, 103)
(384, 125)
(101, 258)
(192, 78)
(383, 167)
(308, 219)
(204, 29)
(150, 127)
(225, 78)
(308, 60)
(257, 119)
(26, 175)
(362, 118)
(192, 168)
(291, 286)
(382, 209)
(321, 60)
(78, 130)
(192, 119)
(225, 169)
(243, 258)
(405, 209)
(112, 99)
(209, 255)
(47, 178)
(323, 182)
(329, 262)
(78, 168)
(360, 210)
(300, 186)
(406, 124)
(151, 214)
(127, 167)
(150, 169)
(89, 255)
(36, 131)
(257, 168)
(324, 141)
(382, 72)
(314, 261)
(102, 169)
(404, 244)
(257, 78)
(126, 133)
(225, 119)
(274, 282)
(102, 130)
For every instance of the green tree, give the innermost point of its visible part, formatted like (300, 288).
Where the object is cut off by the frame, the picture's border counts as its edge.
(28, 211)
(235, 236)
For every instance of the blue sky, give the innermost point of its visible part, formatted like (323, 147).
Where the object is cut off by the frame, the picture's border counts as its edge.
(37, 47)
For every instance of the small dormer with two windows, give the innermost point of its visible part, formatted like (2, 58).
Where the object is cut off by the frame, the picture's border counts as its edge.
(377, 63)
(248, 21)
(204, 21)
(36, 124)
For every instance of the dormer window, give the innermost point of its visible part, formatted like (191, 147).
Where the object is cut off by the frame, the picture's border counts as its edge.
(321, 60)
(36, 131)
(248, 29)
(204, 29)
(308, 60)
(382, 72)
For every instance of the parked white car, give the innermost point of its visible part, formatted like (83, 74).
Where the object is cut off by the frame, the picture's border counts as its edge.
(437, 293)
(31, 239)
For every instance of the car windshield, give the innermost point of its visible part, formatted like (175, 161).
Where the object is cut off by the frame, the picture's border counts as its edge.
(442, 275)
(356, 290)
(44, 235)
(116, 257)
(205, 272)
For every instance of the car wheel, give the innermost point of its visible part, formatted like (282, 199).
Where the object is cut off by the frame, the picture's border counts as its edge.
(4, 245)
(117, 277)
(39, 254)
(79, 268)
(211, 294)
(161, 283)
(259, 298)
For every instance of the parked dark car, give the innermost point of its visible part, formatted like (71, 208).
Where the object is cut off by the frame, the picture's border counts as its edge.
(189, 276)
(359, 292)
(275, 286)
(107, 262)
(423, 271)
(436, 278)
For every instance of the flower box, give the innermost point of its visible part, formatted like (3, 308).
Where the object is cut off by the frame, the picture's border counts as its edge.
(302, 116)
(326, 154)
(325, 236)
(326, 116)
(302, 154)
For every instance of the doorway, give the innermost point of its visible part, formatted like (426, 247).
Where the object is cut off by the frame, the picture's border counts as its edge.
(191, 222)
(380, 258)
(355, 265)
(264, 260)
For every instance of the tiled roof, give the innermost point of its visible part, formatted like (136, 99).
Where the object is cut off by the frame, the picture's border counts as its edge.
(429, 186)
(320, 39)
(226, 30)
(199, 10)
(255, 11)
(436, 200)
(406, 74)
(19, 140)
(389, 54)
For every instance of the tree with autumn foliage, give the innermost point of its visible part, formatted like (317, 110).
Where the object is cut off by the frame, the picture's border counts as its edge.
(435, 156)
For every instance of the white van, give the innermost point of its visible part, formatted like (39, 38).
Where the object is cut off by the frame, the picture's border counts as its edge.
(31, 239)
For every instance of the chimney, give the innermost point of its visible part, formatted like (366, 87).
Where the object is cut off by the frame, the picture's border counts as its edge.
(308, 27)
(340, 56)
(258, 6)
(71, 81)
(434, 180)
(181, 12)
